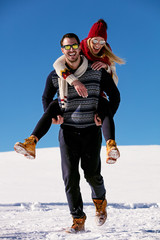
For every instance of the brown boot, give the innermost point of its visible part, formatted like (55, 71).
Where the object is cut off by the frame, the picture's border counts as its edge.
(112, 151)
(78, 225)
(101, 213)
(27, 148)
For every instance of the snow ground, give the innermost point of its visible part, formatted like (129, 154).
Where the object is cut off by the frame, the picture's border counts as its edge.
(36, 221)
(33, 204)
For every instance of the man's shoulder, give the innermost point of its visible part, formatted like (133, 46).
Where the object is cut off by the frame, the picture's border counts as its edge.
(53, 74)
(89, 64)
(52, 79)
(90, 67)
(90, 70)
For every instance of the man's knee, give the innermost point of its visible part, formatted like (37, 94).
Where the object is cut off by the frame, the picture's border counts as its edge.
(71, 180)
(94, 180)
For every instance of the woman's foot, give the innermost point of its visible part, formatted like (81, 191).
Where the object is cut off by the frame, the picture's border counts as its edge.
(112, 151)
(28, 148)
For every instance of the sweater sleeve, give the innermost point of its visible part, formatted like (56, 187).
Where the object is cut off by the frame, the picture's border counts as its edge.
(49, 92)
(62, 71)
(110, 88)
(114, 74)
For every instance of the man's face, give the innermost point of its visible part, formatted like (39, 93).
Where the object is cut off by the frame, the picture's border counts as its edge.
(72, 55)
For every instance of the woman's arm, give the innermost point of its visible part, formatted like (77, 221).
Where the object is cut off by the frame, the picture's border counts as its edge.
(63, 72)
(110, 69)
(114, 74)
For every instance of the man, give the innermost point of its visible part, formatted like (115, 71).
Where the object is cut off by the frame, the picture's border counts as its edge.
(79, 137)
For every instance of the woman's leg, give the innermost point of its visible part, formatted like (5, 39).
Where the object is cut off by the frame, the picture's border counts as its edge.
(105, 114)
(108, 129)
(45, 122)
(28, 147)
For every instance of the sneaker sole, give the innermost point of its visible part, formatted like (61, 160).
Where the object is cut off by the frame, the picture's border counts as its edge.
(20, 149)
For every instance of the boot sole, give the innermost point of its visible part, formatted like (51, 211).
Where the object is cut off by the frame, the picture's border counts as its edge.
(18, 147)
(101, 220)
(73, 231)
(113, 155)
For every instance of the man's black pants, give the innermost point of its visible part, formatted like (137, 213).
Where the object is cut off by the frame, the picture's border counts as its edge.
(85, 145)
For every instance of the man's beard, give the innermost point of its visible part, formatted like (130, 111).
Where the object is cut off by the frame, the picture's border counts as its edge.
(72, 61)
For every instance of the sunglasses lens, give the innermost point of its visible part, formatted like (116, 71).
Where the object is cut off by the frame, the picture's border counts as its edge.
(102, 42)
(75, 46)
(95, 41)
(67, 47)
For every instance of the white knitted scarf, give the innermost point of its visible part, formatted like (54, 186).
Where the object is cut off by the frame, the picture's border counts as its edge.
(63, 85)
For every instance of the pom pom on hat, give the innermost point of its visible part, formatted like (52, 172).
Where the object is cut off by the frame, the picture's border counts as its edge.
(99, 29)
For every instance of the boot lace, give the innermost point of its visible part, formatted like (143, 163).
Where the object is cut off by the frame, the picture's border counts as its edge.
(99, 207)
(29, 141)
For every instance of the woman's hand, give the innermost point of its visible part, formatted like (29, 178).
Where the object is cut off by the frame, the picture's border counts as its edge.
(80, 88)
(97, 120)
(98, 65)
(59, 120)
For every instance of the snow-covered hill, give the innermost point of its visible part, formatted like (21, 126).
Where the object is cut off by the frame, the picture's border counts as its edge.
(33, 203)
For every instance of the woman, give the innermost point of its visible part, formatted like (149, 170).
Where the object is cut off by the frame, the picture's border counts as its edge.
(95, 48)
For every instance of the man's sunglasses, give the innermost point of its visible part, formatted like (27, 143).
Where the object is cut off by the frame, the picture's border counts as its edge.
(101, 42)
(68, 47)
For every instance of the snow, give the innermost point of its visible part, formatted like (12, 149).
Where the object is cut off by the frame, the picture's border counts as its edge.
(33, 203)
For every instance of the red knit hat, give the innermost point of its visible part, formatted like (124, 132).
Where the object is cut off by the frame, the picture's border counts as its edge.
(99, 29)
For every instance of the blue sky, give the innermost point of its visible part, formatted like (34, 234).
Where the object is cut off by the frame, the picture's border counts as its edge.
(30, 32)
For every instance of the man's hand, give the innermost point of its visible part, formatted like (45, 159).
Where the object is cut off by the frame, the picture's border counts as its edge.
(98, 65)
(59, 120)
(97, 120)
(80, 88)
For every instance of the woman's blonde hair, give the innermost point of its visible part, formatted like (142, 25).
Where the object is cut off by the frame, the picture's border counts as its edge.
(107, 52)
(112, 57)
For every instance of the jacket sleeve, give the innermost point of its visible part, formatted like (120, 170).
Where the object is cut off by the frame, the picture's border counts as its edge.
(110, 88)
(49, 92)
